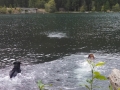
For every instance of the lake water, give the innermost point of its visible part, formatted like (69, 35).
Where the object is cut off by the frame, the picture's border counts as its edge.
(54, 48)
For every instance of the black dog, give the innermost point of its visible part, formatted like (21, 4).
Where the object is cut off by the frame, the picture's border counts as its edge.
(16, 69)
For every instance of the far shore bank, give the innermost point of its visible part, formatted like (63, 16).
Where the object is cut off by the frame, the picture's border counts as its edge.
(17, 10)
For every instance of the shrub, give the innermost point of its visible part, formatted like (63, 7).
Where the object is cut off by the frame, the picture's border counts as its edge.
(3, 10)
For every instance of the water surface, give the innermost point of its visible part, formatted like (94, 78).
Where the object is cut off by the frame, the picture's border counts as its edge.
(54, 48)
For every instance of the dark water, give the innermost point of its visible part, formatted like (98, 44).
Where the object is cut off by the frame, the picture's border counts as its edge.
(35, 38)
(57, 45)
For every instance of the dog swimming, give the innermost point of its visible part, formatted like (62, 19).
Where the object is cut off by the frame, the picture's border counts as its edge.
(16, 69)
(91, 56)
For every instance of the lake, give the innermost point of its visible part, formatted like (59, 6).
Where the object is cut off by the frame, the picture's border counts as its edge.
(54, 48)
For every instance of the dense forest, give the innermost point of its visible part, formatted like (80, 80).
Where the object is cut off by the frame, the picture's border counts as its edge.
(65, 5)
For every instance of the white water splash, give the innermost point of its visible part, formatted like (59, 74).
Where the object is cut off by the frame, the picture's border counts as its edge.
(57, 35)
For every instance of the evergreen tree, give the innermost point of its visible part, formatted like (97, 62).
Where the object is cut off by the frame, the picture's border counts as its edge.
(93, 6)
(83, 8)
(107, 6)
(32, 3)
(2, 3)
(75, 5)
(40, 4)
(98, 6)
(88, 4)
(58, 4)
(103, 8)
(68, 5)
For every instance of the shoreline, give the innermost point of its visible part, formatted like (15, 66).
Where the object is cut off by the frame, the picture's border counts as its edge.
(18, 10)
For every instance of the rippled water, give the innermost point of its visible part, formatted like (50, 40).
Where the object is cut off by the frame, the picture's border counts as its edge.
(53, 48)
(66, 73)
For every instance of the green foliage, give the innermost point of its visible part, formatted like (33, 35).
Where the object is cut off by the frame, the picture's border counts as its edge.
(42, 86)
(10, 11)
(99, 76)
(103, 8)
(10, 6)
(116, 8)
(83, 9)
(32, 3)
(67, 5)
(107, 6)
(50, 6)
(110, 87)
(93, 8)
(40, 4)
(3, 10)
(100, 64)
(98, 6)
(95, 74)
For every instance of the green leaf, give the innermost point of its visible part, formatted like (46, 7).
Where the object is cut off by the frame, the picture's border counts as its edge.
(89, 80)
(100, 64)
(110, 87)
(100, 77)
(50, 84)
(96, 73)
(41, 85)
(119, 88)
(89, 61)
(87, 87)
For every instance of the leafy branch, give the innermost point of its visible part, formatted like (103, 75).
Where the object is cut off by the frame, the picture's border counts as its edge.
(42, 86)
(95, 74)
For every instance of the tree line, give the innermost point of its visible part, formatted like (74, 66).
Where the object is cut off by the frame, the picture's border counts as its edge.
(65, 5)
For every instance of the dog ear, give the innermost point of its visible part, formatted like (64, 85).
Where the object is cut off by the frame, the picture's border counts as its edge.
(14, 63)
(17, 62)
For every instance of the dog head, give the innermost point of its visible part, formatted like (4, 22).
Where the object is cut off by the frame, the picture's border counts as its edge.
(17, 64)
(91, 56)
